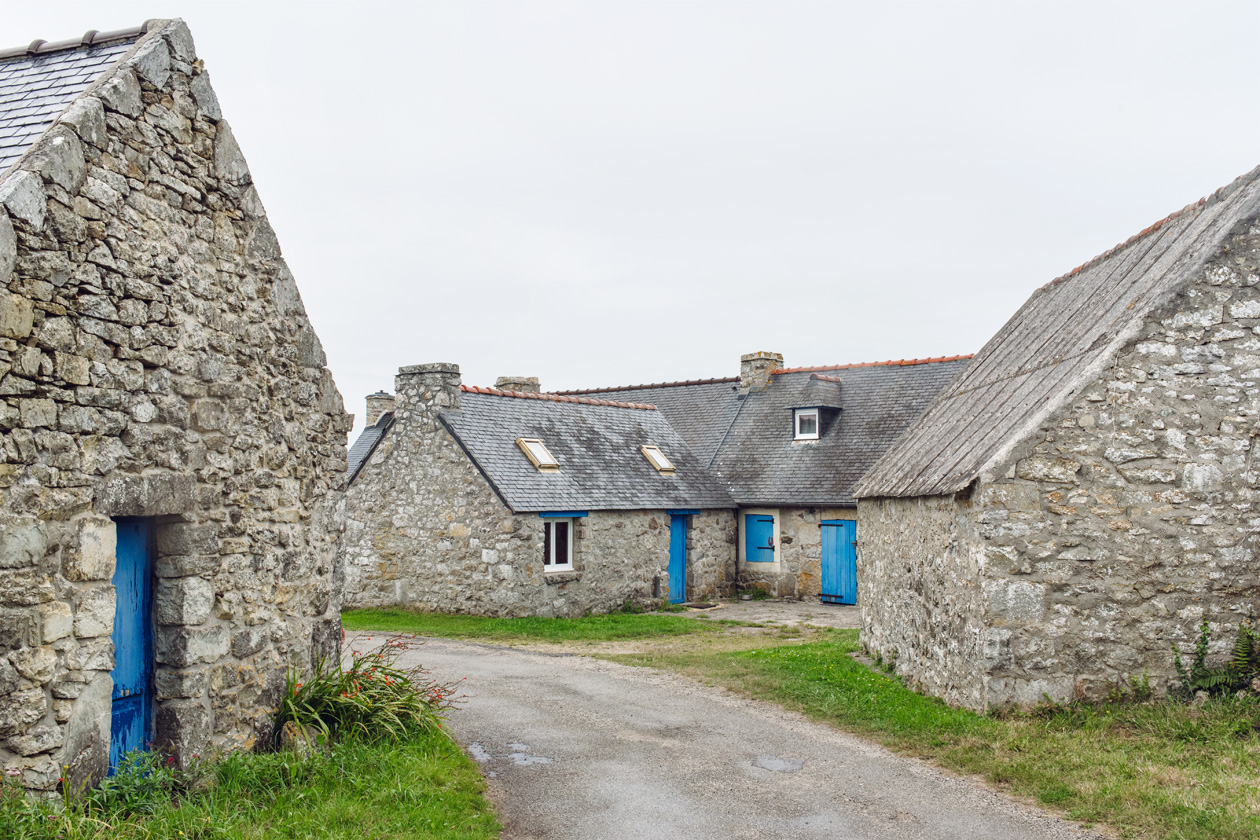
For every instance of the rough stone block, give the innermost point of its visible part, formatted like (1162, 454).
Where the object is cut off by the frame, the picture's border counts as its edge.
(35, 663)
(20, 710)
(22, 193)
(90, 551)
(183, 727)
(156, 494)
(248, 642)
(229, 162)
(188, 538)
(152, 63)
(8, 677)
(23, 541)
(172, 684)
(122, 93)
(181, 647)
(87, 115)
(17, 316)
(85, 756)
(94, 612)
(56, 621)
(183, 601)
(187, 565)
(8, 248)
(204, 96)
(38, 739)
(38, 412)
(25, 588)
(58, 158)
(1044, 468)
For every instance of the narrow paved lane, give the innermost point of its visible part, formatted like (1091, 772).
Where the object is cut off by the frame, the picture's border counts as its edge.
(580, 749)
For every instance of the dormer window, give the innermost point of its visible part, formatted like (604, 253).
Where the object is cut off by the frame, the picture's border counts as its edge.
(657, 459)
(806, 423)
(538, 454)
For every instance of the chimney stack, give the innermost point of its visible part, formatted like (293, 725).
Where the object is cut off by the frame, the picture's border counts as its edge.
(427, 389)
(754, 370)
(523, 384)
(378, 404)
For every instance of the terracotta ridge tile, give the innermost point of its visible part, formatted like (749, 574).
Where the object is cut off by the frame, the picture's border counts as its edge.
(650, 385)
(562, 398)
(890, 363)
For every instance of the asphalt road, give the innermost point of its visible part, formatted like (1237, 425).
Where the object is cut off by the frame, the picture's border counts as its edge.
(581, 749)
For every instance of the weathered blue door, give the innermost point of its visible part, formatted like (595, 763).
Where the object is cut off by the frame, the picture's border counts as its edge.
(839, 561)
(133, 641)
(758, 538)
(677, 559)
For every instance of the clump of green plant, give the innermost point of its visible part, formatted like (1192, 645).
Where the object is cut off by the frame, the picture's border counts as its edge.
(1237, 673)
(372, 700)
(754, 594)
(631, 607)
(143, 783)
(1134, 690)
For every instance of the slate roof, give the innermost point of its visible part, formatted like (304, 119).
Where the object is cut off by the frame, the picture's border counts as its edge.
(597, 445)
(749, 442)
(1054, 346)
(35, 90)
(365, 445)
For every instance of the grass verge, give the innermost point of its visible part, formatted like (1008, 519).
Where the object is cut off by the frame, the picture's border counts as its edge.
(1157, 770)
(424, 787)
(593, 628)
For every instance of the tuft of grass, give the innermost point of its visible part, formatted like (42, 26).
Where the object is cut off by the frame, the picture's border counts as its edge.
(593, 628)
(1151, 770)
(423, 787)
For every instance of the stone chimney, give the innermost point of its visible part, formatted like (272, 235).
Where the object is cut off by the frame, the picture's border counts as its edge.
(377, 404)
(524, 384)
(754, 370)
(424, 390)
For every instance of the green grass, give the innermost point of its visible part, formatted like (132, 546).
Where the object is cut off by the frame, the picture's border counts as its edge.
(594, 628)
(423, 788)
(1157, 770)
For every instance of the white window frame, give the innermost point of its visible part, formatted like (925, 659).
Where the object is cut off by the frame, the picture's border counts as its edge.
(549, 545)
(796, 423)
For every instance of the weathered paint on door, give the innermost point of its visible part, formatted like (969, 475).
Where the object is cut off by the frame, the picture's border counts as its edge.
(839, 561)
(677, 559)
(758, 538)
(133, 641)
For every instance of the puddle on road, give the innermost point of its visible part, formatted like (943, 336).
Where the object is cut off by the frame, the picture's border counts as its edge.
(779, 765)
(479, 753)
(520, 756)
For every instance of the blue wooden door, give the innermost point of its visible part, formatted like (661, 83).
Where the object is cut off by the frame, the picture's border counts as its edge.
(133, 641)
(839, 561)
(677, 559)
(758, 538)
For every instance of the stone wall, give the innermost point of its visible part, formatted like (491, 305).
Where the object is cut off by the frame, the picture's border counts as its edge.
(918, 596)
(425, 529)
(711, 555)
(797, 570)
(156, 361)
(1122, 522)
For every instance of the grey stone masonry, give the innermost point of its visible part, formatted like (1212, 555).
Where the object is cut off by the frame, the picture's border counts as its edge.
(797, 569)
(156, 361)
(426, 529)
(755, 369)
(1108, 533)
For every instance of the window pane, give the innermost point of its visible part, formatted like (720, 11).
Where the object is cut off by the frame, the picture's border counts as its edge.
(547, 543)
(807, 424)
(657, 457)
(562, 543)
(540, 453)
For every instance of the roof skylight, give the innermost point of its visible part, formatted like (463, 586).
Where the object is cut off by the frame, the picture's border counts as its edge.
(538, 454)
(657, 458)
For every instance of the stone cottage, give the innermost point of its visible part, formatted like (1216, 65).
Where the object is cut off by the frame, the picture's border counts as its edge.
(171, 442)
(505, 501)
(1085, 493)
(789, 444)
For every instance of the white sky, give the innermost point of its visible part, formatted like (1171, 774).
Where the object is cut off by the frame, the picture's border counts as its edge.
(607, 193)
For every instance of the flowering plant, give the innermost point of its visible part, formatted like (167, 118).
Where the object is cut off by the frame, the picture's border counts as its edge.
(373, 699)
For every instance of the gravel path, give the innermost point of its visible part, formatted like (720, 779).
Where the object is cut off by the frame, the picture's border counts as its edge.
(580, 748)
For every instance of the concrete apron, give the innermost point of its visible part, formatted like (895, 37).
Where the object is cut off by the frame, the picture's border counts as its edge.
(782, 613)
(584, 749)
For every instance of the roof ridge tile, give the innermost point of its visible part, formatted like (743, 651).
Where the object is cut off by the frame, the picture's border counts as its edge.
(679, 383)
(560, 398)
(889, 363)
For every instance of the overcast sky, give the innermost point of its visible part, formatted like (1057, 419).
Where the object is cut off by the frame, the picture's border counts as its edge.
(607, 193)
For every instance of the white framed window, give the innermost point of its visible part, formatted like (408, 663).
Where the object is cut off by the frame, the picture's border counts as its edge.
(806, 424)
(557, 545)
(538, 454)
(657, 458)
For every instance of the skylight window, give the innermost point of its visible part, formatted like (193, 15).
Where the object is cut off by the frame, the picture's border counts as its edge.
(657, 458)
(538, 454)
